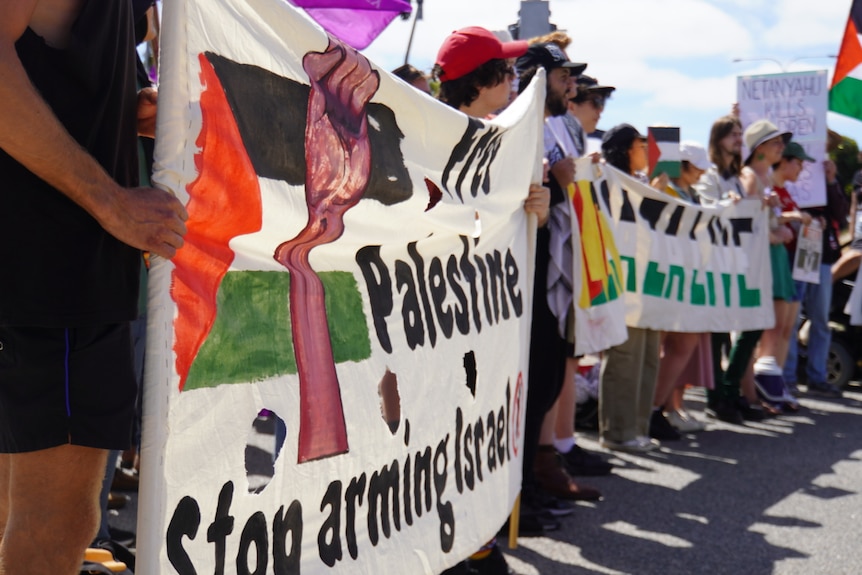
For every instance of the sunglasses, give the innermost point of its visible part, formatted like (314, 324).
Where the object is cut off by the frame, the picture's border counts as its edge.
(598, 102)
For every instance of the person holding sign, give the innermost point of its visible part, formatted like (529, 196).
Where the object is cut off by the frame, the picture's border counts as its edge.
(817, 297)
(68, 130)
(630, 369)
(475, 72)
(680, 349)
(721, 182)
(774, 341)
(766, 144)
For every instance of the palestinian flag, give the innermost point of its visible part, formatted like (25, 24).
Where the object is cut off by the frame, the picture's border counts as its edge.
(845, 95)
(663, 151)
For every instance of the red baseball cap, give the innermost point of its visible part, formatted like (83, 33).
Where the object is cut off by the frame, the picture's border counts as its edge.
(468, 48)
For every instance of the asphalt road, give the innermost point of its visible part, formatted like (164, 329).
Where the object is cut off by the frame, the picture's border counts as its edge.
(779, 497)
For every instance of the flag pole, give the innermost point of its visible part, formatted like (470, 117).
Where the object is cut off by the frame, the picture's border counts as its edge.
(413, 30)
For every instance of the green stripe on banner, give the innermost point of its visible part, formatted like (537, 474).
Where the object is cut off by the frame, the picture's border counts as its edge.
(846, 98)
(251, 338)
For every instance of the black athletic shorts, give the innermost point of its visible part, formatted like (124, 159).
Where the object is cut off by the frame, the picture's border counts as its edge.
(66, 385)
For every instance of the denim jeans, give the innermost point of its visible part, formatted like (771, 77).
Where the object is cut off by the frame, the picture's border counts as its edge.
(816, 301)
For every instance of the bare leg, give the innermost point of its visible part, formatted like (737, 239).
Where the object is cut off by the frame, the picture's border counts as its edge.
(56, 511)
(676, 401)
(791, 313)
(564, 426)
(676, 351)
(774, 341)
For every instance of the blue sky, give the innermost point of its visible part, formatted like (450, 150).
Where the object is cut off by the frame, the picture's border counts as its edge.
(671, 60)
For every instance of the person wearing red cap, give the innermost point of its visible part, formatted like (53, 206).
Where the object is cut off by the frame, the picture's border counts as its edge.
(475, 72)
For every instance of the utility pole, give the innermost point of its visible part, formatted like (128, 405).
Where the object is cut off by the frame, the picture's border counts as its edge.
(416, 17)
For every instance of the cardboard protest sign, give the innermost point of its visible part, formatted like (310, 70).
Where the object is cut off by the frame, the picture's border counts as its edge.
(809, 253)
(795, 102)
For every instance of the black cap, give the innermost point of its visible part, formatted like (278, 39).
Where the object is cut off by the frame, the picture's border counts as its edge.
(549, 56)
(621, 136)
(588, 85)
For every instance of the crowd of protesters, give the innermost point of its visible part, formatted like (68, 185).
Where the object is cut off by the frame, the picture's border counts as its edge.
(640, 382)
(86, 190)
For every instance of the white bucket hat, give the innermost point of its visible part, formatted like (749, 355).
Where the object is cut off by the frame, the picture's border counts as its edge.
(760, 131)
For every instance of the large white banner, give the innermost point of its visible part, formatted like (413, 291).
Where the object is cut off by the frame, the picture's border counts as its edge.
(334, 275)
(795, 102)
(664, 264)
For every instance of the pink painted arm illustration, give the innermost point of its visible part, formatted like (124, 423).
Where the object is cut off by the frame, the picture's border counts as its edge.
(338, 164)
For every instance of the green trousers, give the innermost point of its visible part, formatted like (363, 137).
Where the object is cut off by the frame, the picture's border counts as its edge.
(727, 383)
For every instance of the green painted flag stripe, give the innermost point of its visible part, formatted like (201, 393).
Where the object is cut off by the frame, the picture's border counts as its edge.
(251, 339)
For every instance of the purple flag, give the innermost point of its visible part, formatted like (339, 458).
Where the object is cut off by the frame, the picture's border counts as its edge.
(356, 22)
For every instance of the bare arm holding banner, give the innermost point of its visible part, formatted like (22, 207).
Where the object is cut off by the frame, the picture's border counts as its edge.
(144, 218)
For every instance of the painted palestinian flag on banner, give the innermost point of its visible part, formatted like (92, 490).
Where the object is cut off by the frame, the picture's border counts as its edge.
(845, 95)
(663, 151)
(356, 22)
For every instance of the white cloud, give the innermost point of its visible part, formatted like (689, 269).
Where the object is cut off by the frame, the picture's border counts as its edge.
(802, 24)
(668, 58)
(623, 29)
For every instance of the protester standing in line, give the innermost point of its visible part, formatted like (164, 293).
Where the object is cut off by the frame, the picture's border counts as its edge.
(630, 369)
(584, 111)
(816, 299)
(721, 182)
(772, 350)
(475, 75)
(69, 164)
(766, 144)
(678, 348)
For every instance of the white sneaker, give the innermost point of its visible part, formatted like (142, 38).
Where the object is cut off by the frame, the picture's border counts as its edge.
(639, 444)
(684, 421)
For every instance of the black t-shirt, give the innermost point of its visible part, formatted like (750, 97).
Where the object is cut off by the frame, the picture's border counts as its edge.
(58, 267)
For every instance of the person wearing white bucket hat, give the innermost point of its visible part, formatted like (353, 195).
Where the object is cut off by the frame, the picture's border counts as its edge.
(765, 144)
(775, 341)
(764, 132)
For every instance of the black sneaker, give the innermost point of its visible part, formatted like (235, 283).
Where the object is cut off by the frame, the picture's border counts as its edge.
(534, 518)
(532, 523)
(824, 389)
(750, 411)
(660, 428)
(493, 564)
(578, 461)
(724, 410)
(558, 507)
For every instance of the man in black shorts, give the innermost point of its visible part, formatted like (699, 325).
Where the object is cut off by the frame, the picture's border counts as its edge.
(71, 227)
